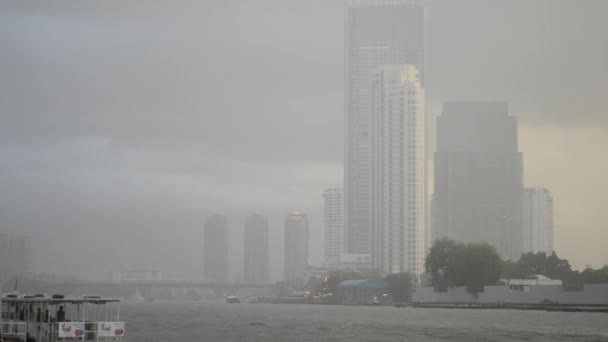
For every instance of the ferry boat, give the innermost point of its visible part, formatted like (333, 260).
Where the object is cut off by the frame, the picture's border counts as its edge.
(41, 318)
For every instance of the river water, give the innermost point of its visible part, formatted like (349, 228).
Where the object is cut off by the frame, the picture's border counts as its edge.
(218, 321)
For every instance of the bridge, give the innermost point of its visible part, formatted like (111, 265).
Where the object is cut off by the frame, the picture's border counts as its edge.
(128, 288)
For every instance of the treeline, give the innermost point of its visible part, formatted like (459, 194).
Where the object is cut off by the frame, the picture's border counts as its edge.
(476, 265)
(472, 265)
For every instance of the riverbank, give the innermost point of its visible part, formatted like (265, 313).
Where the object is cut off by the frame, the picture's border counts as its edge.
(600, 308)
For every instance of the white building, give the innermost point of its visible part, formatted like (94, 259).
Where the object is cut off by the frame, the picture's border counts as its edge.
(388, 32)
(15, 256)
(296, 248)
(398, 188)
(332, 218)
(538, 220)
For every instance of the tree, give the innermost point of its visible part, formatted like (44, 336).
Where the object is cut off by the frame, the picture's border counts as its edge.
(551, 266)
(458, 264)
(314, 285)
(438, 261)
(400, 286)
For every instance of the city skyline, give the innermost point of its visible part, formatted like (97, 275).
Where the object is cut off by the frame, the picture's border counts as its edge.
(143, 143)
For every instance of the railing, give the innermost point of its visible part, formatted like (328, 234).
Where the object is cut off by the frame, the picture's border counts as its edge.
(15, 330)
(70, 331)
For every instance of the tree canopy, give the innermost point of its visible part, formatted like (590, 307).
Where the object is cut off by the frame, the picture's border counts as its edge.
(473, 265)
(399, 285)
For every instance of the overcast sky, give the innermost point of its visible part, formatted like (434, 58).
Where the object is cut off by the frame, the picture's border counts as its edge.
(122, 124)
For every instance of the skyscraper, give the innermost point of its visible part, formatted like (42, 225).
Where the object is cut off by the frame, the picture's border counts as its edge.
(296, 248)
(216, 263)
(538, 220)
(479, 176)
(255, 248)
(334, 228)
(378, 33)
(398, 170)
(15, 256)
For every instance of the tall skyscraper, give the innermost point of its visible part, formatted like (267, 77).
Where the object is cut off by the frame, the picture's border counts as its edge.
(216, 263)
(378, 33)
(334, 228)
(255, 249)
(538, 220)
(398, 170)
(296, 248)
(479, 176)
(15, 256)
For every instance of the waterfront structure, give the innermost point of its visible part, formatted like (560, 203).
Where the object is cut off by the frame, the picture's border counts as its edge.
(215, 249)
(255, 248)
(15, 256)
(538, 220)
(378, 33)
(360, 291)
(398, 182)
(296, 248)
(479, 176)
(333, 221)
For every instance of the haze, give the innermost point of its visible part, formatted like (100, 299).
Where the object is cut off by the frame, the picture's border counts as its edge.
(123, 124)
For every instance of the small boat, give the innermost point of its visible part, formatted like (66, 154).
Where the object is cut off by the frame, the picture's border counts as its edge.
(57, 318)
(232, 300)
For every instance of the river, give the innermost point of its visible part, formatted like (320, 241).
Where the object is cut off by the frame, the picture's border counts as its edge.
(218, 321)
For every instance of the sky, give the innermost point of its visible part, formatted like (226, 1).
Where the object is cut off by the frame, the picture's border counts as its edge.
(124, 124)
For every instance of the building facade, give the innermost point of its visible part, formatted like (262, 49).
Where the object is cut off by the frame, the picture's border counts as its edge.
(398, 182)
(479, 177)
(216, 263)
(255, 250)
(333, 213)
(15, 256)
(538, 221)
(296, 248)
(378, 33)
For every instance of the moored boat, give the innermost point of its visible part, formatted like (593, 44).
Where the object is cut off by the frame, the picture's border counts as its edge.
(48, 319)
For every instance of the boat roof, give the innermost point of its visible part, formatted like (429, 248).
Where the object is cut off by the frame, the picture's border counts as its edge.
(58, 301)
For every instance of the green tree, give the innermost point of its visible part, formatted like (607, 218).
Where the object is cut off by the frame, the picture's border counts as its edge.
(314, 285)
(458, 264)
(438, 262)
(400, 286)
(551, 266)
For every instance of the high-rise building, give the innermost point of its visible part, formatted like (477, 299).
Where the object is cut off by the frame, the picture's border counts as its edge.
(479, 176)
(378, 33)
(334, 228)
(216, 263)
(398, 215)
(538, 220)
(296, 248)
(255, 250)
(15, 256)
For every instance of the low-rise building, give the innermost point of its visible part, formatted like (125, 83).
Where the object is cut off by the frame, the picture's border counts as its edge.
(360, 291)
